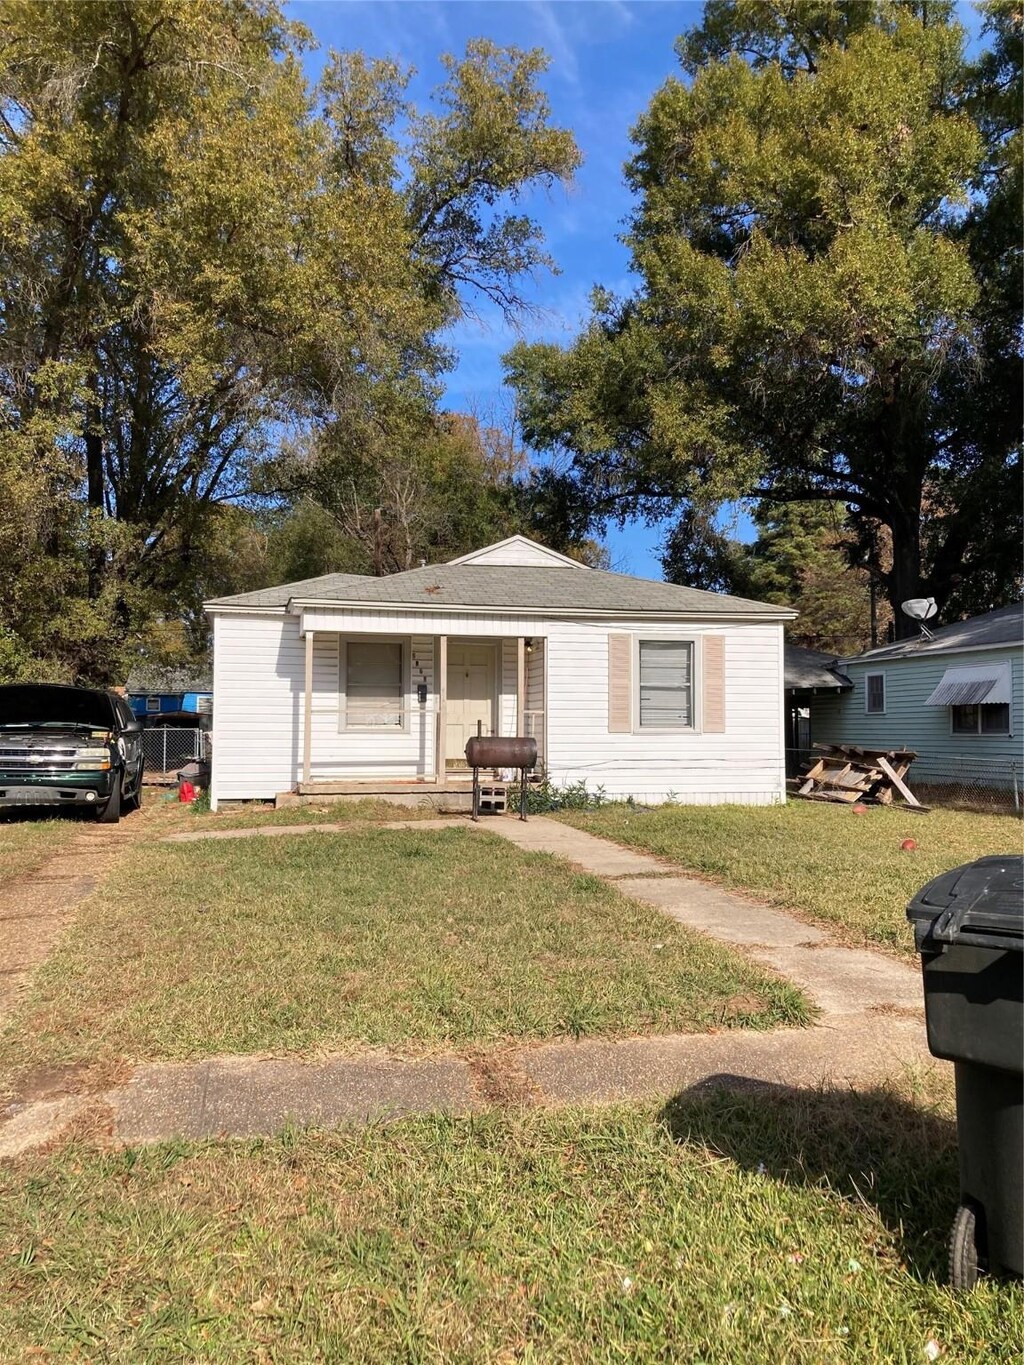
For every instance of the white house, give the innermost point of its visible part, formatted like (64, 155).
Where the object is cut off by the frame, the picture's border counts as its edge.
(347, 684)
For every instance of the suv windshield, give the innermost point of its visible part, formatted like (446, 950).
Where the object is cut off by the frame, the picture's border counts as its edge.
(47, 704)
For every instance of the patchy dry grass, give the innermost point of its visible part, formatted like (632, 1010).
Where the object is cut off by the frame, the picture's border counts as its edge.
(29, 840)
(844, 870)
(194, 818)
(367, 810)
(763, 1226)
(401, 938)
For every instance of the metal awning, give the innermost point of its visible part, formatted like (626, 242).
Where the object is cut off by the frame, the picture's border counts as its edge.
(988, 686)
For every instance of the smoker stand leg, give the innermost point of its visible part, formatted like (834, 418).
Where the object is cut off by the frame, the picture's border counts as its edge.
(522, 795)
(476, 794)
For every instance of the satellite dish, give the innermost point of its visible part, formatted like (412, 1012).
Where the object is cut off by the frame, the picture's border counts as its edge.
(919, 608)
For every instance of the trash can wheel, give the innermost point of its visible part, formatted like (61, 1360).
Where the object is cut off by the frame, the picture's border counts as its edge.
(963, 1249)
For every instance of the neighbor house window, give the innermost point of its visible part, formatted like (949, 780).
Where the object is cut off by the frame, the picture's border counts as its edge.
(981, 720)
(152, 703)
(666, 684)
(373, 683)
(875, 684)
(204, 705)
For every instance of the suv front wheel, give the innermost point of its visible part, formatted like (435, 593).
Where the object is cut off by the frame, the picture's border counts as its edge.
(110, 813)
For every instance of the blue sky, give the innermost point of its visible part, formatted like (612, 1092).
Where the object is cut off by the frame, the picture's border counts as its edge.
(607, 59)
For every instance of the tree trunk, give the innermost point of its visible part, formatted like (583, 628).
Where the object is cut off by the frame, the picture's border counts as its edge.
(904, 578)
(94, 489)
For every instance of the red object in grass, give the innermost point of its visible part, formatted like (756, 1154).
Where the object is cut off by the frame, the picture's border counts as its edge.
(860, 810)
(186, 792)
(908, 845)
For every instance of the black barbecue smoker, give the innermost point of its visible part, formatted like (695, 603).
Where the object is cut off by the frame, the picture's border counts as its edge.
(969, 930)
(494, 751)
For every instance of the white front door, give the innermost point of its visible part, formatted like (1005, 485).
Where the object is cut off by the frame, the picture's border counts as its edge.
(471, 679)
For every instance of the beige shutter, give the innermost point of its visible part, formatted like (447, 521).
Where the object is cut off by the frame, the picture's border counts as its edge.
(620, 691)
(713, 721)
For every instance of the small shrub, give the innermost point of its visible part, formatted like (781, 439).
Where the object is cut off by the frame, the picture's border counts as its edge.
(545, 796)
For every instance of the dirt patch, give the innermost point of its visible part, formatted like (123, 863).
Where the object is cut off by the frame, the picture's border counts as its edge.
(79, 1078)
(500, 1080)
(35, 908)
(92, 1124)
(898, 1011)
(743, 1007)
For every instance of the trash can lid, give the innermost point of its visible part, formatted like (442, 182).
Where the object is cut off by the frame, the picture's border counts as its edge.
(981, 903)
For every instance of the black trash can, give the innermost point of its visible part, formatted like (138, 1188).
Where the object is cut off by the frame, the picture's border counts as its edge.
(969, 930)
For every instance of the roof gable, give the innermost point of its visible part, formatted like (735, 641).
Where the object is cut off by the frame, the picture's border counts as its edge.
(518, 551)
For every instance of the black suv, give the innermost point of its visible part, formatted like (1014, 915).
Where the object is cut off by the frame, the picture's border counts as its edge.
(69, 746)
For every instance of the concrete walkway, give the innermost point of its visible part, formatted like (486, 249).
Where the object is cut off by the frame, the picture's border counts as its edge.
(253, 1096)
(840, 980)
(871, 1027)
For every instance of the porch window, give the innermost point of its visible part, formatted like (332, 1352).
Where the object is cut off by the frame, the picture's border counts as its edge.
(373, 684)
(666, 684)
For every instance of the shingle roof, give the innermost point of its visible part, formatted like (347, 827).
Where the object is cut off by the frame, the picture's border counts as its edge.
(508, 587)
(1005, 626)
(809, 670)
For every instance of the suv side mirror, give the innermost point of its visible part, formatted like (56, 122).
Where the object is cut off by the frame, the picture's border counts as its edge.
(134, 727)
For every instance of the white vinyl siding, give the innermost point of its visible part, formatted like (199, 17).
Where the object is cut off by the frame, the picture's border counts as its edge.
(259, 688)
(372, 684)
(665, 672)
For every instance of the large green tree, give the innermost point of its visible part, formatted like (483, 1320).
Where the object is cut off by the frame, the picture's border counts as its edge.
(827, 239)
(199, 253)
(803, 556)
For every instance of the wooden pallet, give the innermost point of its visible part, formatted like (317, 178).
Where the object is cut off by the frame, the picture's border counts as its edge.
(849, 773)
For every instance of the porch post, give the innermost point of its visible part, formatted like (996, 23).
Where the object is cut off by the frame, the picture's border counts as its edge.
(521, 685)
(307, 719)
(441, 692)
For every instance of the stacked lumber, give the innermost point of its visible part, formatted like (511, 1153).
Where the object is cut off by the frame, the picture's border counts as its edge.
(851, 773)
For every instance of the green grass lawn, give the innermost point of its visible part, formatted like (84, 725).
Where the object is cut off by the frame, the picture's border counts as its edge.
(26, 842)
(323, 812)
(844, 870)
(404, 938)
(729, 1228)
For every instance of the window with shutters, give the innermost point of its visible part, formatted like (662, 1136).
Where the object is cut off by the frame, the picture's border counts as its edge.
(665, 678)
(372, 677)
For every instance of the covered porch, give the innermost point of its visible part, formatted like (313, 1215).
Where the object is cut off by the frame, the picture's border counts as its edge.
(388, 714)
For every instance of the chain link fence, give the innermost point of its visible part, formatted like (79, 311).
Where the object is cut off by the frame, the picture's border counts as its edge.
(958, 781)
(168, 748)
(965, 782)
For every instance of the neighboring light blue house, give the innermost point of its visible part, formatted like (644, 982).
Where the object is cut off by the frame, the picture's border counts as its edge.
(168, 692)
(956, 699)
